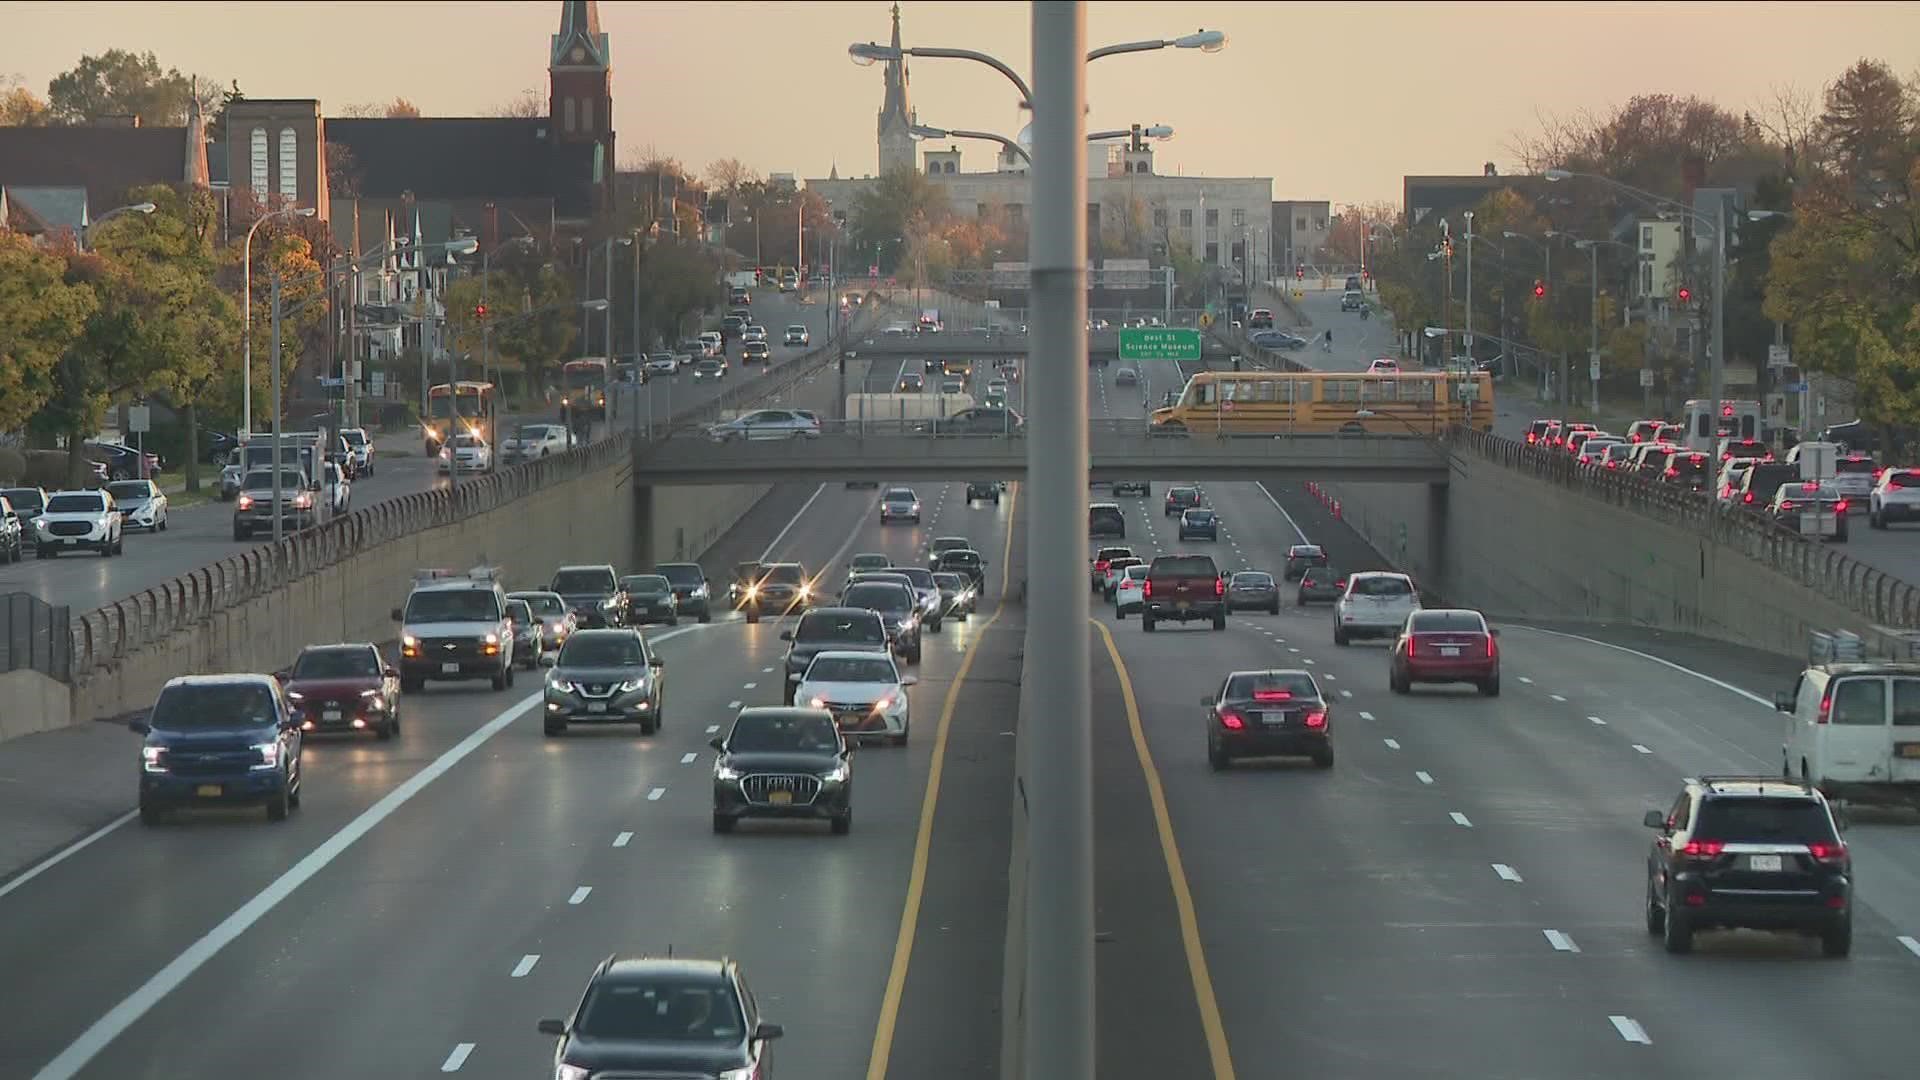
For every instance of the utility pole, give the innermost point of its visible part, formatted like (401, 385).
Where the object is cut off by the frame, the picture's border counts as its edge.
(606, 376)
(1060, 961)
(639, 363)
(1593, 341)
(1469, 348)
(275, 391)
(1717, 363)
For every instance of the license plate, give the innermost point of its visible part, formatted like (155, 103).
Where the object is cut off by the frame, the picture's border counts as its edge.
(449, 669)
(597, 706)
(330, 714)
(1273, 719)
(1769, 863)
(1446, 650)
(208, 791)
(780, 798)
(1181, 606)
(1908, 749)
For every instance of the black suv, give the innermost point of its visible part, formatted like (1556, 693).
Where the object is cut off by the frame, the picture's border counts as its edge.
(1199, 523)
(826, 629)
(691, 589)
(782, 763)
(965, 562)
(1105, 519)
(1180, 499)
(653, 1016)
(1752, 852)
(984, 491)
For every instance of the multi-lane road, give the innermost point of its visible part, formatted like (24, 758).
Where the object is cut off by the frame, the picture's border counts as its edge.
(199, 535)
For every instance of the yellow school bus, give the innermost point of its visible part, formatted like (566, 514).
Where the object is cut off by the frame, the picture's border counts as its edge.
(1321, 402)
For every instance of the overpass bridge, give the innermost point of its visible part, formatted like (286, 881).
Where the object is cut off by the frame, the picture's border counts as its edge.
(1119, 450)
(1101, 345)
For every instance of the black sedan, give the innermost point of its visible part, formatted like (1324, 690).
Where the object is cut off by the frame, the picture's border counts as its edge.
(1277, 713)
(649, 599)
(1199, 523)
(663, 1016)
(1253, 590)
(983, 491)
(782, 762)
(1321, 585)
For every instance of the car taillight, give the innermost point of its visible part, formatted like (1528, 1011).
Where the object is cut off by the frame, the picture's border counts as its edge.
(1835, 852)
(1101, 566)
(1317, 719)
(1490, 647)
(1219, 586)
(1704, 849)
(1613, 464)
(1413, 644)
(1532, 438)
(1341, 584)
(1786, 504)
(1826, 709)
(1146, 589)
(1671, 471)
(1748, 498)
(1840, 507)
(1231, 720)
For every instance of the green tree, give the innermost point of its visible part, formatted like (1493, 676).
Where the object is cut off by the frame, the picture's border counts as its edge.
(41, 317)
(883, 214)
(120, 83)
(532, 316)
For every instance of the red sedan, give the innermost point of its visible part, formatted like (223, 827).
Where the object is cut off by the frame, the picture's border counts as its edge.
(347, 687)
(1446, 645)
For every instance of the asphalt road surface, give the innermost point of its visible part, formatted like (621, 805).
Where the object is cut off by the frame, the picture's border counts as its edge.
(199, 535)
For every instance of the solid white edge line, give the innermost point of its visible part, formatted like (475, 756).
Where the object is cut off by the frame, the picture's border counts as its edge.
(1703, 677)
(767, 555)
(1507, 873)
(1630, 1030)
(525, 965)
(66, 853)
(1460, 819)
(654, 795)
(1912, 945)
(1560, 941)
(458, 1058)
(1292, 524)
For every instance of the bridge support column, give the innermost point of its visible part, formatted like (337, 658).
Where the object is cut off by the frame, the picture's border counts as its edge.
(642, 546)
(1436, 526)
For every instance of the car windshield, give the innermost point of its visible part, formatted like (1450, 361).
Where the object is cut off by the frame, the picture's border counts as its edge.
(948, 582)
(922, 579)
(1137, 572)
(530, 432)
(661, 1009)
(1853, 465)
(683, 575)
(874, 562)
(23, 498)
(1183, 495)
(829, 627)
(75, 504)
(583, 581)
(201, 706)
(1381, 586)
(1762, 821)
(452, 605)
(1104, 514)
(1448, 622)
(263, 481)
(960, 558)
(1323, 575)
(519, 612)
(1245, 685)
(874, 669)
(899, 495)
(879, 596)
(590, 650)
(646, 585)
(1185, 566)
(545, 604)
(1305, 551)
(1202, 516)
(1253, 581)
(337, 664)
(951, 543)
(784, 574)
(790, 732)
(129, 490)
(355, 438)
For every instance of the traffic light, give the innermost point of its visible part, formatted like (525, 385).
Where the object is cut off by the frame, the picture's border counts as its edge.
(480, 312)
(1539, 289)
(1686, 295)
(1299, 273)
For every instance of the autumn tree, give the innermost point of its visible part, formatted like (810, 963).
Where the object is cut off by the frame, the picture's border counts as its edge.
(527, 105)
(727, 175)
(397, 109)
(121, 83)
(881, 214)
(1348, 232)
(20, 107)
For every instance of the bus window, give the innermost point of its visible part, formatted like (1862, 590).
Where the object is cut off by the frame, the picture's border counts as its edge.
(1200, 393)
(1340, 390)
(1420, 390)
(1377, 389)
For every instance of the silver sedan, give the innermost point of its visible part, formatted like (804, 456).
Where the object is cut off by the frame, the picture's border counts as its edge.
(767, 424)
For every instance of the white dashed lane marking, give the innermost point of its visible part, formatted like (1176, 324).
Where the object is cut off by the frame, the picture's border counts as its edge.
(766, 671)
(1556, 697)
(1630, 1029)
(1424, 777)
(1597, 720)
(1346, 693)
(1526, 680)
(689, 758)
(1912, 945)
(1364, 715)
(580, 894)
(1507, 873)
(1641, 749)
(457, 1058)
(525, 965)
(1560, 941)
(654, 795)
(623, 839)
(1392, 744)
(712, 728)
(749, 686)
(1460, 819)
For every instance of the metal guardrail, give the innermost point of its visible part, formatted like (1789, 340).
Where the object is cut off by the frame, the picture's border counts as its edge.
(106, 634)
(1875, 595)
(34, 635)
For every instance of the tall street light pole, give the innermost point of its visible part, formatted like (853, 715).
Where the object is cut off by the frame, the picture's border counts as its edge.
(246, 311)
(1592, 248)
(274, 389)
(1469, 349)
(1060, 905)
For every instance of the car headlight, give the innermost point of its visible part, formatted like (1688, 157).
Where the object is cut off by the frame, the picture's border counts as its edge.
(561, 685)
(700, 591)
(725, 772)
(633, 685)
(836, 775)
(885, 703)
(269, 755)
(153, 758)
(816, 701)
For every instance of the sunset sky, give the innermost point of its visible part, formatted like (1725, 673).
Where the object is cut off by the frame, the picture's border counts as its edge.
(1333, 101)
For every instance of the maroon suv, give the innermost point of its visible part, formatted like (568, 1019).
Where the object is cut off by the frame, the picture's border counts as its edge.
(343, 688)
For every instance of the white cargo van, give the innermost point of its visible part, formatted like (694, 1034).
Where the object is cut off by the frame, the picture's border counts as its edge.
(1853, 728)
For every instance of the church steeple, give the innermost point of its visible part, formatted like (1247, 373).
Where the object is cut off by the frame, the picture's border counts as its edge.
(896, 111)
(194, 171)
(580, 88)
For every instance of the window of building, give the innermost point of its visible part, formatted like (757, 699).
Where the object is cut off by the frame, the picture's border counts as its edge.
(1239, 218)
(571, 111)
(1213, 219)
(258, 146)
(932, 167)
(1186, 219)
(1213, 251)
(953, 167)
(1321, 224)
(586, 114)
(289, 164)
(1160, 218)
(1646, 278)
(1646, 238)
(1299, 224)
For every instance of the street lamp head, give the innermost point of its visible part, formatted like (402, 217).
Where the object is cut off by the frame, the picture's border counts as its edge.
(143, 208)
(1766, 215)
(465, 245)
(594, 305)
(303, 211)
(1435, 331)
(868, 53)
(924, 131)
(1365, 414)
(1585, 245)
(1157, 131)
(1557, 175)
(1205, 40)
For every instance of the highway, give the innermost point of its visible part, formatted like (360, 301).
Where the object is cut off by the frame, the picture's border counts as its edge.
(1460, 896)
(1895, 551)
(497, 867)
(199, 535)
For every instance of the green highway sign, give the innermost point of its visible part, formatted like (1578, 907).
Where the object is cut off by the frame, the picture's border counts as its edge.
(1159, 343)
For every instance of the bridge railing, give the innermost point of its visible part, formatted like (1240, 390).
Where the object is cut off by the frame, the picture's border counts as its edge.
(1872, 593)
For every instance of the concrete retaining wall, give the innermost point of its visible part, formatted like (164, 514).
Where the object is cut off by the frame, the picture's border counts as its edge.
(1517, 545)
(30, 701)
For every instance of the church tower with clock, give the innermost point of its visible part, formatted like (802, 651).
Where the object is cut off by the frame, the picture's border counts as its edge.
(580, 88)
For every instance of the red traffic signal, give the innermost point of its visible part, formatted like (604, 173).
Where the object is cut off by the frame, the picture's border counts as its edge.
(1686, 295)
(479, 311)
(1299, 273)
(1539, 290)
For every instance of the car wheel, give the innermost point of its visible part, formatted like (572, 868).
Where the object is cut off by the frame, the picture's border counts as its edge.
(240, 533)
(1275, 609)
(1146, 621)
(753, 616)
(163, 524)
(1220, 621)
(412, 684)
(1217, 757)
(1656, 915)
(1875, 520)
(722, 823)
(843, 824)
(386, 730)
(1323, 759)
(706, 616)
(278, 806)
(1119, 613)
(1491, 687)
(1339, 635)
(650, 725)
(1677, 933)
(1397, 683)
(913, 656)
(933, 627)
(501, 681)
(1837, 940)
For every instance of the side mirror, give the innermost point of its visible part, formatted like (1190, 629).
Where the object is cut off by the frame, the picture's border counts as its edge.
(717, 743)
(1495, 631)
(1654, 820)
(655, 662)
(282, 674)
(769, 1031)
(786, 635)
(399, 616)
(1782, 701)
(553, 1027)
(910, 680)
(140, 727)
(795, 677)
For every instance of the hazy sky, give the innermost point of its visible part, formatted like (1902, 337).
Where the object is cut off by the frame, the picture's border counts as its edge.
(1334, 101)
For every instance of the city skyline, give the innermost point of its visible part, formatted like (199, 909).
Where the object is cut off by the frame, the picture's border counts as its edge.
(780, 94)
